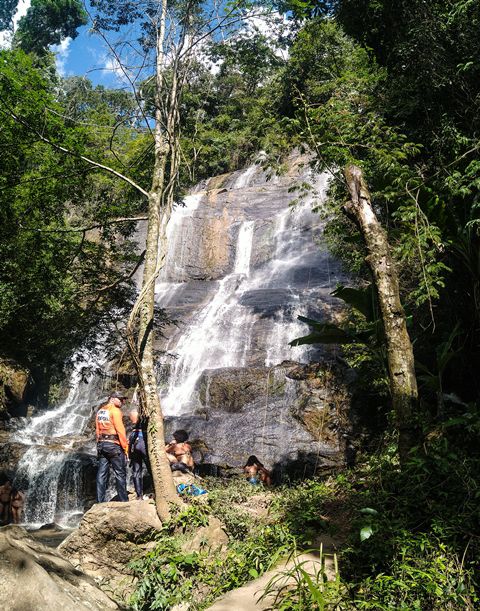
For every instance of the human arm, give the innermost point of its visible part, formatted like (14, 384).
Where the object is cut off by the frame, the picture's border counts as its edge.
(120, 428)
(265, 476)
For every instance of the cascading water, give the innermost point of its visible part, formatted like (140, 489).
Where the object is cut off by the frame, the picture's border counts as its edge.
(218, 328)
(244, 248)
(271, 295)
(179, 236)
(49, 470)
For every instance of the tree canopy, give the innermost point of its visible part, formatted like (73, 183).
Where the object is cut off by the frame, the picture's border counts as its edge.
(59, 253)
(48, 22)
(390, 87)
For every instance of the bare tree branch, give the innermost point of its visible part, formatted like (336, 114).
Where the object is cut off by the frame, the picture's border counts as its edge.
(127, 219)
(130, 275)
(58, 147)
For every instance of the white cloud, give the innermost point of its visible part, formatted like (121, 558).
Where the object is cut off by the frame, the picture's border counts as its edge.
(200, 52)
(22, 9)
(6, 35)
(5, 39)
(62, 51)
(272, 25)
(121, 73)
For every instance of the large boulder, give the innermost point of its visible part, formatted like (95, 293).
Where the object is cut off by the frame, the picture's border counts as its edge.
(36, 577)
(211, 536)
(109, 536)
(294, 417)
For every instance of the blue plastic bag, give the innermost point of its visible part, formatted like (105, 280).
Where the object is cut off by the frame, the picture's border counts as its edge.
(190, 489)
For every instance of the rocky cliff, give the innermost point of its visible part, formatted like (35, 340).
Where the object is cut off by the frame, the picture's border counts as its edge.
(14, 385)
(246, 258)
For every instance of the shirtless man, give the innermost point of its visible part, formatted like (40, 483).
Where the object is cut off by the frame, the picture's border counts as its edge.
(5, 491)
(179, 452)
(256, 472)
(17, 499)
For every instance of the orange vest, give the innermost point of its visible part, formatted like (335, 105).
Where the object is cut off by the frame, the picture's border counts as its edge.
(109, 422)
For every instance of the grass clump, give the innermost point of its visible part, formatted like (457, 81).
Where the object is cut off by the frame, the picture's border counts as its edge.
(407, 539)
(172, 572)
(413, 544)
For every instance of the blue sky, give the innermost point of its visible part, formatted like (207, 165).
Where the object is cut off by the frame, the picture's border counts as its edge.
(87, 55)
(84, 56)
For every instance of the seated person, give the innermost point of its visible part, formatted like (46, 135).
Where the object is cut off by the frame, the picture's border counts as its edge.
(256, 473)
(179, 452)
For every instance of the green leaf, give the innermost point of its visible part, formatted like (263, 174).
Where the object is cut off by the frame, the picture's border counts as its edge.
(324, 333)
(314, 590)
(364, 300)
(369, 511)
(366, 533)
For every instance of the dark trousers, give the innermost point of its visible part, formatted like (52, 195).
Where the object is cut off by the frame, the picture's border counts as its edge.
(138, 457)
(111, 455)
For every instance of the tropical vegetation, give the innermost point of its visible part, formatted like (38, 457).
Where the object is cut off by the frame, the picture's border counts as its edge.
(392, 88)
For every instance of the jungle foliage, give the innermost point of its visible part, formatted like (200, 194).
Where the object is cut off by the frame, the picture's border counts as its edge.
(391, 86)
(403, 104)
(63, 263)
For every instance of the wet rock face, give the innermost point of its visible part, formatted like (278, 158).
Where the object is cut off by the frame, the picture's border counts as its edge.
(291, 416)
(231, 390)
(33, 576)
(245, 259)
(203, 243)
(10, 454)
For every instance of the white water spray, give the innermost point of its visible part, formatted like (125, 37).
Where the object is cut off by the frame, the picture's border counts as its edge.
(220, 334)
(216, 336)
(48, 471)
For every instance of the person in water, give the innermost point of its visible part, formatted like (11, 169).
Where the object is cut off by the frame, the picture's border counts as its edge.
(5, 492)
(112, 447)
(179, 452)
(256, 473)
(17, 500)
(137, 452)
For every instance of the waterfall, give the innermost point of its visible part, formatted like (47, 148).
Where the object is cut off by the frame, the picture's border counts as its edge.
(245, 177)
(49, 471)
(244, 248)
(69, 418)
(215, 339)
(242, 264)
(179, 230)
(267, 297)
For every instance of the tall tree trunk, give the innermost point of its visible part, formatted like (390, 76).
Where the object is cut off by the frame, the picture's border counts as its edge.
(158, 215)
(403, 383)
